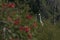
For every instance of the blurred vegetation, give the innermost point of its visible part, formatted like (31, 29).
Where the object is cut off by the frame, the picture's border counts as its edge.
(50, 12)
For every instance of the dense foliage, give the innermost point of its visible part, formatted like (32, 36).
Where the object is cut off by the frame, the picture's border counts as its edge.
(19, 20)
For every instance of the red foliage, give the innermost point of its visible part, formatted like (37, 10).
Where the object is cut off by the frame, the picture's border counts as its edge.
(9, 19)
(21, 28)
(16, 22)
(4, 5)
(29, 16)
(29, 36)
(35, 24)
(12, 5)
(27, 29)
